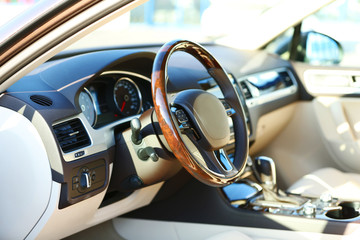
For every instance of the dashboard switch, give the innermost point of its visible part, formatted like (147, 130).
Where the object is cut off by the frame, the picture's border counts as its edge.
(135, 125)
(85, 180)
(146, 153)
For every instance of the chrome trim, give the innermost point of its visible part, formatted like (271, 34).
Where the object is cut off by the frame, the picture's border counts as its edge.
(223, 154)
(94, 105)
(127, 73)
(137, 90)
(87, 179)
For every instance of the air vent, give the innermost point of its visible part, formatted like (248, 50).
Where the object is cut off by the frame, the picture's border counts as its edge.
(41, 100)
(284, 76)
(245, 90)
(71, 135)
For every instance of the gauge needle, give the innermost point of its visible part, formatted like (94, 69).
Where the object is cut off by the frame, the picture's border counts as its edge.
(122, 106)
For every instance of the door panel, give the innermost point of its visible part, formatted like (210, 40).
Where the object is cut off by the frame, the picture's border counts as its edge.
(339, 121)
(324, 130)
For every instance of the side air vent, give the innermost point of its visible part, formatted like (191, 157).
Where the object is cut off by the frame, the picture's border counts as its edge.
(71, 135)
(245, 90)
(41, 100)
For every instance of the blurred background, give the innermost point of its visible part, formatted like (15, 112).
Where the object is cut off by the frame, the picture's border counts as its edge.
(158, 21)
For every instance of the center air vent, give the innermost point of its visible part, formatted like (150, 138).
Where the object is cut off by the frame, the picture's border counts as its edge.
(71, 135)
(245, 90)
(41, 100)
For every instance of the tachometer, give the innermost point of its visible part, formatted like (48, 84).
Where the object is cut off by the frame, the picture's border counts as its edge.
(127, 97)
(87, 106)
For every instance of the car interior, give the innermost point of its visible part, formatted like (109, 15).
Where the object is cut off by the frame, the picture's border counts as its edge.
(182, 140)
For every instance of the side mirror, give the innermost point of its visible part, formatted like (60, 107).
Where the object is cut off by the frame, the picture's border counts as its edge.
(320, 49)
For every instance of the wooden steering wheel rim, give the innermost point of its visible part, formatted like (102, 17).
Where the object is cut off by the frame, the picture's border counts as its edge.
(169, 129)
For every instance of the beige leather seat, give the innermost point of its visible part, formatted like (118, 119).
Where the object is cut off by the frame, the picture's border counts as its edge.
(345, 186)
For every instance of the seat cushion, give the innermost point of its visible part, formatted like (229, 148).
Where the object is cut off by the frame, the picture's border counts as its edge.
(345, 186)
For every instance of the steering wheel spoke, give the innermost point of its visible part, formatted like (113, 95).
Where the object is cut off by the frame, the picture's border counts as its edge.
(216, 161)
(223, 159)
(221, 163)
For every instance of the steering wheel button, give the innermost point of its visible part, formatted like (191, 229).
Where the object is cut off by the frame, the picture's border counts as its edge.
(230, 112)
(185, 125)
(226, 105)
(181, 116)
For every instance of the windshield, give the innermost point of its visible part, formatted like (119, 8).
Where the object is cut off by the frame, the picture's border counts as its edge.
(158, 21)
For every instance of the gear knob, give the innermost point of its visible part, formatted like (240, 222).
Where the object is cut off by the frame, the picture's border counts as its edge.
(266, 172)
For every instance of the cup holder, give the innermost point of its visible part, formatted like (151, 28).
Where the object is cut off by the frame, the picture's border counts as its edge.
(349, 210)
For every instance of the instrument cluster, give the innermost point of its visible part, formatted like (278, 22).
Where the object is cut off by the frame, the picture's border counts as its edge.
(115, 95)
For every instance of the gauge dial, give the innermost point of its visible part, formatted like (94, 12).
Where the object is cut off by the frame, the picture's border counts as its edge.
(127, 97)
(87, 106)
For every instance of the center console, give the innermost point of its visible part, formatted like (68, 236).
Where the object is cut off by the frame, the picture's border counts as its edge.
(258, 192)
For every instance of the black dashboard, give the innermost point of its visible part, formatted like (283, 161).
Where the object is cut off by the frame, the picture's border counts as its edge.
(87, 98)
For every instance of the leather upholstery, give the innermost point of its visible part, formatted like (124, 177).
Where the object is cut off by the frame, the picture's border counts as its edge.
(345, 186)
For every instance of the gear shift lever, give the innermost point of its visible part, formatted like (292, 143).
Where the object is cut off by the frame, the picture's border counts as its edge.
(265, 172)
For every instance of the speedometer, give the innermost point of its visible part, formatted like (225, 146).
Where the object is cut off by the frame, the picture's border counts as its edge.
(127, 97)
(87, 106)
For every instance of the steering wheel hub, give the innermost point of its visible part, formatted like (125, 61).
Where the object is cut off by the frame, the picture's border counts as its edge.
(208, 117)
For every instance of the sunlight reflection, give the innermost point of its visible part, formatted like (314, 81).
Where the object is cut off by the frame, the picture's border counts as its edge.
(357, 127)
(342, 147)
(342, 128)
(327, 101)
(352, 151)
(11, 122)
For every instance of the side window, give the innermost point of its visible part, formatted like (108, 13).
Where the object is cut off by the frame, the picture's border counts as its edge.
(328, 37)
(281, 45)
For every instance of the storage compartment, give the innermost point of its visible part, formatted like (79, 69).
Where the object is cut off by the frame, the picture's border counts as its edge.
(348, 210)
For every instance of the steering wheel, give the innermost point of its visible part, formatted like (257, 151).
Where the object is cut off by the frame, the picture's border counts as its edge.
(195, 123)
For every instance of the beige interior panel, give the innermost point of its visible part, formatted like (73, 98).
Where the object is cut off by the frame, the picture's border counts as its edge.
(85, 214)
(270, 125)
(339, 121)
(149, 171)
(299, 148)
(129, 229)
(58, 223)
(102, 231)
(341, 185)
